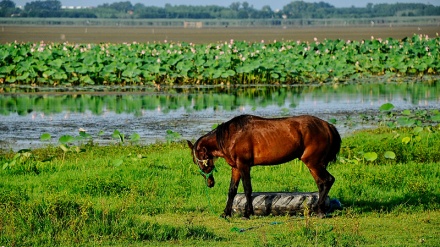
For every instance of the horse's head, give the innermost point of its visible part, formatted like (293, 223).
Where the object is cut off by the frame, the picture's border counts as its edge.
(204, 161)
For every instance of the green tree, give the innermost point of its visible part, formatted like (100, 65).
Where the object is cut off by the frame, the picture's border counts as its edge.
(48, 8)
(49, 5)
(7, 8)
(242, 10)
(301, 9)
(122, 6)
(235, 6)
(7, 4)
(245, 5)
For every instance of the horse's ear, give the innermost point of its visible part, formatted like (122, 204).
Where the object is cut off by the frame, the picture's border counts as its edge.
(190, 145)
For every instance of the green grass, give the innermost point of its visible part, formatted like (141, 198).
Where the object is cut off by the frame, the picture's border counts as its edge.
(156, 197)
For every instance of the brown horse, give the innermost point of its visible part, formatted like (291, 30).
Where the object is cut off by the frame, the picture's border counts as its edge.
(246, 141)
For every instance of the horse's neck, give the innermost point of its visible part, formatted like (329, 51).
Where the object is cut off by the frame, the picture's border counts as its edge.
(210, 143)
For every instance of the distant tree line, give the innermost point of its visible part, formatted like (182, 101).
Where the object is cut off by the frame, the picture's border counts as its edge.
(236, 10)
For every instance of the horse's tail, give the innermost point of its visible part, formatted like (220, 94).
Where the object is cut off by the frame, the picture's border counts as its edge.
(335, 145)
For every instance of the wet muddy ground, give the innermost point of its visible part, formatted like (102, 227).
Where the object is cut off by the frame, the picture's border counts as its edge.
(75, 34)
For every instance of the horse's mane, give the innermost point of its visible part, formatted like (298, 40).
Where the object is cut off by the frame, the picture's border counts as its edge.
(222, 131)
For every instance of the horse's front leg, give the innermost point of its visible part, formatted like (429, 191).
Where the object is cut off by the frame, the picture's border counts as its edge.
(247, 186)
(233, 186)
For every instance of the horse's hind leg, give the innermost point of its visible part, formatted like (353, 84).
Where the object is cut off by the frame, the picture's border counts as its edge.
(324, 180)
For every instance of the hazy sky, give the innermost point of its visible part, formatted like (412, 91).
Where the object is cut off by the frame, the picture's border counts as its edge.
(257, 4)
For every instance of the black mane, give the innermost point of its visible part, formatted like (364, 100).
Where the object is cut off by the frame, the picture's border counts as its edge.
(222, 131)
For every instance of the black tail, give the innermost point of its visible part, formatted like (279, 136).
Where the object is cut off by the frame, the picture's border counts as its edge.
(335, 145)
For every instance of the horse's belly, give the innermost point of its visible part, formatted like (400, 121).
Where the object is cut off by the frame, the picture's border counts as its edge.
(274, 153)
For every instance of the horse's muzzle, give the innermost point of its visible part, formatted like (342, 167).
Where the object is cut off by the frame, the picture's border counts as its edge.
(210, 182)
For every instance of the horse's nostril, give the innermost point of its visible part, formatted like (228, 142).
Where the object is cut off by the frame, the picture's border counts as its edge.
(210, 183)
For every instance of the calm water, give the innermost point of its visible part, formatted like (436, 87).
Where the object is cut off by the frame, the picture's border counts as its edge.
(191, 111)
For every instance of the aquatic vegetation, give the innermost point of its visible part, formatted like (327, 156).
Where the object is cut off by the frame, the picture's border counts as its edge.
(401, 140)
(234, 62)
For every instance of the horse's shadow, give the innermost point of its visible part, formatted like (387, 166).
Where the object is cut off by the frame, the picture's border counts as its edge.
(422, 201)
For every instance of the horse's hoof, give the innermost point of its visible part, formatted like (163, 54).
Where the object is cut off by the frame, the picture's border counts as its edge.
(245, 218)
(321, 215)
(224, 215)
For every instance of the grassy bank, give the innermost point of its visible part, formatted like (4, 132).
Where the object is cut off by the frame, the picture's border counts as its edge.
(153, 195)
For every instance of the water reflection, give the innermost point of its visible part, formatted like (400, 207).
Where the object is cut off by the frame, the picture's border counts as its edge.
(190, 111)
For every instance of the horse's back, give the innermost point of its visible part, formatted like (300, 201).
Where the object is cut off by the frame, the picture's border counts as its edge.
(304, 125)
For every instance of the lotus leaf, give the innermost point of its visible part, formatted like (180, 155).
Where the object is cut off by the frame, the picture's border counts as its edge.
(287, 61)
(389, 155)
(370, 156)
(386, 107)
